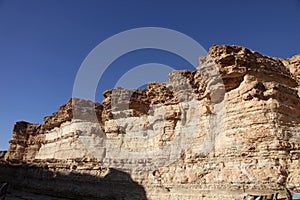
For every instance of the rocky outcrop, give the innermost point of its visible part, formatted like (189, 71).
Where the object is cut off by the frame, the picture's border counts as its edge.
(293, 65)
(67, 112)
(258, 147)
(233, 123)
(26, 141)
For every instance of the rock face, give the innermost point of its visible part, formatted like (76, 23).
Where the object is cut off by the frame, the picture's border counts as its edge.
(71, 180)
(233, 123)
(26, 141)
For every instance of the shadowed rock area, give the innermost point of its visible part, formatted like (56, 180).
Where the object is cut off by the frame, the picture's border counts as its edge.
(65, 180)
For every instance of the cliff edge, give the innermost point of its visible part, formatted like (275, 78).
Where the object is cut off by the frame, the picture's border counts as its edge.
(233, 123)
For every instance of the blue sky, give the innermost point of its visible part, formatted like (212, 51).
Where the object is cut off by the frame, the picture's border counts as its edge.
(44, 42)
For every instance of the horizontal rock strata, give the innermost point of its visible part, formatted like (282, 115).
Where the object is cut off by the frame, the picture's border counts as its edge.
(233, 123)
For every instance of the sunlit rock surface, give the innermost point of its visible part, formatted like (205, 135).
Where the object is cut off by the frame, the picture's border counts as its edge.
(233, 123)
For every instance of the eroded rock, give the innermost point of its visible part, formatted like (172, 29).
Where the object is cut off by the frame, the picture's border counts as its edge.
(232, 124)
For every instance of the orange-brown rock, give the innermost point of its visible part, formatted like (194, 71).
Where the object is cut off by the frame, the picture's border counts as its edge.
(26, 141)
(233, 123)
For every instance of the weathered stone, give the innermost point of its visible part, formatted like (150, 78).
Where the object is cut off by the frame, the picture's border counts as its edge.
(26, 141)
(206, 134)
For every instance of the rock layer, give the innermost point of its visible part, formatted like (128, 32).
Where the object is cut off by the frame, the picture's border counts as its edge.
(233, 123)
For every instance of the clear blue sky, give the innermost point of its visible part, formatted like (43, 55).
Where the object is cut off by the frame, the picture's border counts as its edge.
(43, 42)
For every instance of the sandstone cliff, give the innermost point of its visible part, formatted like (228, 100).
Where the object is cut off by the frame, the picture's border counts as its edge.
(205, 134)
